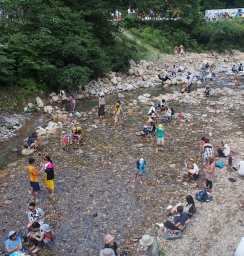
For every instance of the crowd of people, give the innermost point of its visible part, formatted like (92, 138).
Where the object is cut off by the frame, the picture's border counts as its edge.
(40, 232)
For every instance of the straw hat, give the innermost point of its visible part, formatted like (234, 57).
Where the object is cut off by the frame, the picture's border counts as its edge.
(191, 159)
(107, 252)
(117, 104)
(108, 238)
(211, 158)
(146, 240)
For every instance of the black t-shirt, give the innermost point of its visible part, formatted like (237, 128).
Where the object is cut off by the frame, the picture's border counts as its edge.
(114, 247)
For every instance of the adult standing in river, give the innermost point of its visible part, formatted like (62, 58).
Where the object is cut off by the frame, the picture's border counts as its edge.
(101, 105)
(118, 116)
(73, 107)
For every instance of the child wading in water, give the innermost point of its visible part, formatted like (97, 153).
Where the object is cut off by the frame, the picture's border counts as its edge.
(140, 166)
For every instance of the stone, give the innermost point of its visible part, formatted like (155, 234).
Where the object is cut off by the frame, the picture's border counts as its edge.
(55, 98)
(132, 63)
(30, 105)
(39, 102)
(27, 152)
(14, 149)
(48, 109)
(114, 81)
(41, 131)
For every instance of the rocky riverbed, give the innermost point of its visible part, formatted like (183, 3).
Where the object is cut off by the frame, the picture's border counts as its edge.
(95, 194)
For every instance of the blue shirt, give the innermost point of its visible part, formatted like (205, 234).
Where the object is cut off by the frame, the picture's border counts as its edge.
(12, 244)
(182, 219)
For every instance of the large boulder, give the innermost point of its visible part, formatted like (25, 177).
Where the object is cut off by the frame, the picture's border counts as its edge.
(41, 131)
(27, 152)
(39, 102)
(52, 126)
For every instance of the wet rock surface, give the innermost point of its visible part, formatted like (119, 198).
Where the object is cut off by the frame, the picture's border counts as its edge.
(94, 192)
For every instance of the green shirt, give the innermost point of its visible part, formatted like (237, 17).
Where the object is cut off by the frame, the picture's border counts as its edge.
(160, 132)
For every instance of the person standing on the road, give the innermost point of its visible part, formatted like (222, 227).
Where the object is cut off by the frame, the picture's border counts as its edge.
(73, 107)
(140, 166)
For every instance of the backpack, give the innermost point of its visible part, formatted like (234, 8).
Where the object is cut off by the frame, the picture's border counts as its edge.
(204, 196)
(172, 111)
(220, 164)
(173, 234)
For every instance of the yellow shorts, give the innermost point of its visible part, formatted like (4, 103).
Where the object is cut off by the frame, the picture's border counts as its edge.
(49, 183)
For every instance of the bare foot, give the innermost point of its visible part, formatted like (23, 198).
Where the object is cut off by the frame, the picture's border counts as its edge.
(140, 181)
(134, 180)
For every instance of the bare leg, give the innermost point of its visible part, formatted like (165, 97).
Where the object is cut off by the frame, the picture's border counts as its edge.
(37, 195)
(141, 178)
(136, 174)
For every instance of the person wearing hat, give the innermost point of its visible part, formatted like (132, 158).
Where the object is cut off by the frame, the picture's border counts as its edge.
(107, 252)
(32, 142)
(101, 105)
(150, 245)
(209, 171)
(38, 234)
(14, 244)
(118, 116)
(75, 134)
(193, 171)
(160, 137)
(140, 167)
(110, 244)
(33, 173)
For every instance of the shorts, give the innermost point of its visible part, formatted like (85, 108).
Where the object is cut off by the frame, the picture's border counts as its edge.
(73, 113)
(63, 102)
(160, 141)
(35, 186)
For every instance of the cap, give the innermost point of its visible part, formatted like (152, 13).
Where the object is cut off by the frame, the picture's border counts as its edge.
(12, 232)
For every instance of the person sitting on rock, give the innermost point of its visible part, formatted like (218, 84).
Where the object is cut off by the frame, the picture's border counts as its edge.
(76, 135)
(207, 90)
(193, 171)
(150, 246)
(181, 69)
(180, 221)
(110, 243)
(240, 67)
(38, 234)
(167, 112)
(188, 207)
(206, 65)
(162, 104)
(35, 215)
(234, 69)
(14, 245)
(164, 78)
(152, 109)
(32, 142)
(224, 149)
(149, 129)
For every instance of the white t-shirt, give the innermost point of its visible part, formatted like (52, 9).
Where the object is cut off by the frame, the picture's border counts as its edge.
(241, 168)
(168, 113)
(151, 110)
(226, 149)
(196, 169)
